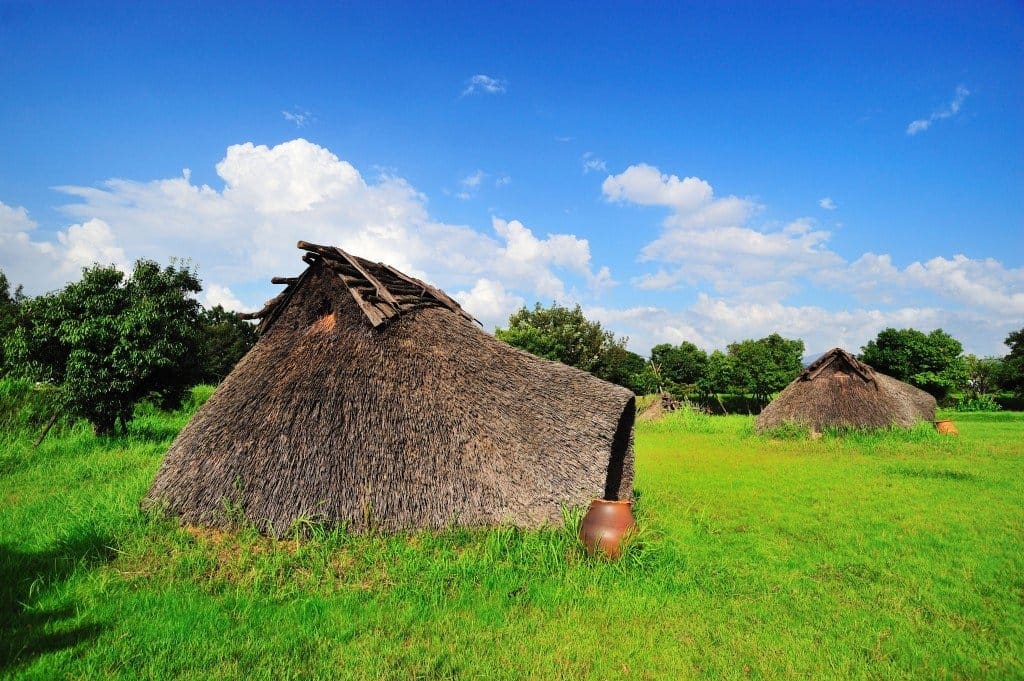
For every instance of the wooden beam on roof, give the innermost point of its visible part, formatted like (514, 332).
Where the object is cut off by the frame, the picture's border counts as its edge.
(382, 290)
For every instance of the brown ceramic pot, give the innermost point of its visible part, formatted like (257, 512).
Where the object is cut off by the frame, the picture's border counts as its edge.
(605, 525)
(946, 428)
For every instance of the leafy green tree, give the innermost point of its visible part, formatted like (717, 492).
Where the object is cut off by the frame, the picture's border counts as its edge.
(645, 382)
(1013, 364)
(623, 367)
(224, 340)
(983, 374)
(558, 333)
(765, 366)
(682, 364)
(566, 335)
(9, 318)
(930, 361)
(717, 377)
(108, 342)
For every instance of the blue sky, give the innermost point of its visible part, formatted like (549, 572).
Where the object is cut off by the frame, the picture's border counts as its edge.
(704, 172)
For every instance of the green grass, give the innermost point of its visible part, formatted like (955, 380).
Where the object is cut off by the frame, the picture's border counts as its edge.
(890, 555)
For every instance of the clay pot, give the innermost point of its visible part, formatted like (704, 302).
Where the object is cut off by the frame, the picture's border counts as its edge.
(946, 428)
(605, 525)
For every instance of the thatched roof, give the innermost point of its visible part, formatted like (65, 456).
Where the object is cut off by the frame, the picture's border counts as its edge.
(372, 399)
(838, 390)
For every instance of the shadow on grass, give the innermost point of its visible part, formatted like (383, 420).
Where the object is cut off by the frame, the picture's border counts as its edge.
(28, 631)
(933, 474)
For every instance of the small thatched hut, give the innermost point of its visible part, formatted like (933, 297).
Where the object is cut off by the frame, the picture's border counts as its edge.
(838, 390)
(372, 399)
(662, 404)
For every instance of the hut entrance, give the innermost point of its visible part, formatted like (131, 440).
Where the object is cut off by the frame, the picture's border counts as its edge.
(622, 444)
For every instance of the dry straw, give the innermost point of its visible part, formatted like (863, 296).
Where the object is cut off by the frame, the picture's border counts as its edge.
(840, 391)
(372, 400)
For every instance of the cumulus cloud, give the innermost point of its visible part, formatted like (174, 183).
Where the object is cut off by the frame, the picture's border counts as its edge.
(984, 285)
(215, 294)
(45, 265)
(482, 83)
(827, 203)
(490, 302)
(705, 238)
(713, 322)
(922, 124)
(241, 235)
(691, 199)
(752, 270)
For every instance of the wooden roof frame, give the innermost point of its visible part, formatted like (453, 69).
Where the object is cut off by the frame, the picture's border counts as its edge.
(380, 291)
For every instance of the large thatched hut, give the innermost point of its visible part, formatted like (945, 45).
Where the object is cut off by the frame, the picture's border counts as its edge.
(372, 399)
(838, 390)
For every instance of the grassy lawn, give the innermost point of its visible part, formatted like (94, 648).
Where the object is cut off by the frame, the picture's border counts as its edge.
(885, 556)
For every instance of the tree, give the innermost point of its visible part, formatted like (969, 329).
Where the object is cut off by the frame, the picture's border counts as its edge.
(765, 366)
(930, 361)
(1013, 363)
(560, 334)
(623, 367)
(565, 335)
(224, 340)
(108, 342)
(983, 374)
(717, 376)
(9, 317)
(680, 365)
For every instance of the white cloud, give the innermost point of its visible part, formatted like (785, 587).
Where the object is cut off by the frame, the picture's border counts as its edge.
(245, 233)
(692, 200)
(485, 84)
(503, 181)
(14, 220)
(525, 258)
(752, 270)
(90, 243)
(706, 238)
(46, 265)
(827, 203)
(490, 302)
(215, 294)
(592, 163)
(922, 124)
(299, 117)
(714, 322)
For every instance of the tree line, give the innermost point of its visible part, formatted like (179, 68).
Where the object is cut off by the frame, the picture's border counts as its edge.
(759, 368)
(110, 340)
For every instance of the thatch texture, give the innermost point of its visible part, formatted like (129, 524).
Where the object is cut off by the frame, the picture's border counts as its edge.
(838, 390)
(419, 420)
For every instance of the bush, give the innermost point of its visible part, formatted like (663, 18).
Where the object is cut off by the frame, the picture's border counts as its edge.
(975, 403)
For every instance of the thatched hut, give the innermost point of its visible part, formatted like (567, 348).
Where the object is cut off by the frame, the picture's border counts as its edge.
(838, 390)
(372, 399)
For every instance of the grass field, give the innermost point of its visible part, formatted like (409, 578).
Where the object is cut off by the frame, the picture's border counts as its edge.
(882, 556)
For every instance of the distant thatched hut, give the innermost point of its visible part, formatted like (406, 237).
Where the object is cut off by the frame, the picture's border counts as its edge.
(372, 399)
(657, 408)
(839, 390)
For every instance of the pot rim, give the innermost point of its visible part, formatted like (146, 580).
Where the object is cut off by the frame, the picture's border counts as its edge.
(612, 501)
